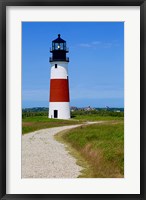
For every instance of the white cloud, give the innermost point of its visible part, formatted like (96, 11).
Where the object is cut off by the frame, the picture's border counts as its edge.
(96, 42)
(100, 44)
(92, 44)
(85, 45)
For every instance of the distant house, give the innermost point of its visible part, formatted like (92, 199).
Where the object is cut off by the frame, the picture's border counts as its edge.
(117, 111)
(89, 108)
(73, 108)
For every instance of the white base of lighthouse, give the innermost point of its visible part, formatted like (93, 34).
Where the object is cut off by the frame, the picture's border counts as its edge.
(59, 110)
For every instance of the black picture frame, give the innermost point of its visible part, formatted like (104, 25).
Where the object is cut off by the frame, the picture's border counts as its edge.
(3, 127)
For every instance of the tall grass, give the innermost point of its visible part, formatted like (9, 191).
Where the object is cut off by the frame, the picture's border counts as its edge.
(102, 146)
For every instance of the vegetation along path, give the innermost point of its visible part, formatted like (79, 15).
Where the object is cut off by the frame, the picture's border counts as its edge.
(44, 157)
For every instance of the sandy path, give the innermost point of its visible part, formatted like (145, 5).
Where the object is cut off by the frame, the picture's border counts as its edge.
(44, 157)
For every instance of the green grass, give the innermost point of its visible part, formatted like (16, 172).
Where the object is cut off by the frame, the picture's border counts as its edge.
(101, 146)
(39, 119)
(36, 122)
(30, 124)
(96, 117)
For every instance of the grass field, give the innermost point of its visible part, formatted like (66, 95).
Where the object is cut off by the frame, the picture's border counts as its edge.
(30, 124)
(95, 117)
(36, 121)
(99, 148)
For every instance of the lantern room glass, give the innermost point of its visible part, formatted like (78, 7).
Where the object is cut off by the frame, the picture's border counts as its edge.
(59, 46)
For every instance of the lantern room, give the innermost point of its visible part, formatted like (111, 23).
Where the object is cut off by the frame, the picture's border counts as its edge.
(59, 50)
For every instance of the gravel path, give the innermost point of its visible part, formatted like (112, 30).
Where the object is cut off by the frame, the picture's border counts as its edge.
(44, 157)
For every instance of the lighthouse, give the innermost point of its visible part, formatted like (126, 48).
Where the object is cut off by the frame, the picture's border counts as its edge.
(59, 105)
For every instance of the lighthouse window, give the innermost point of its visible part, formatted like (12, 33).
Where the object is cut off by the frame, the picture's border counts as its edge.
(61, 46)
(55, 65)
(56, 46)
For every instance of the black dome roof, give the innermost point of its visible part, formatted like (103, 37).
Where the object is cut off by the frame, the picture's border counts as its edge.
(59, 40)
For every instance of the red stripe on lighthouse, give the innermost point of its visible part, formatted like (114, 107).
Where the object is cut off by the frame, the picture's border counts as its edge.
(59, 90)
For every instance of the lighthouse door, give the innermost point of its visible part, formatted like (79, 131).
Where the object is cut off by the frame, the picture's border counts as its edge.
(55, 113)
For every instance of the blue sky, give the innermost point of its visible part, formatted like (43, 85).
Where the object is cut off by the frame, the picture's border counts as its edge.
(96, 67)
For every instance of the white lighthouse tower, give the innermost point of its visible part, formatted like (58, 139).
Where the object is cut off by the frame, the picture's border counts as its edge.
(59, 83)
